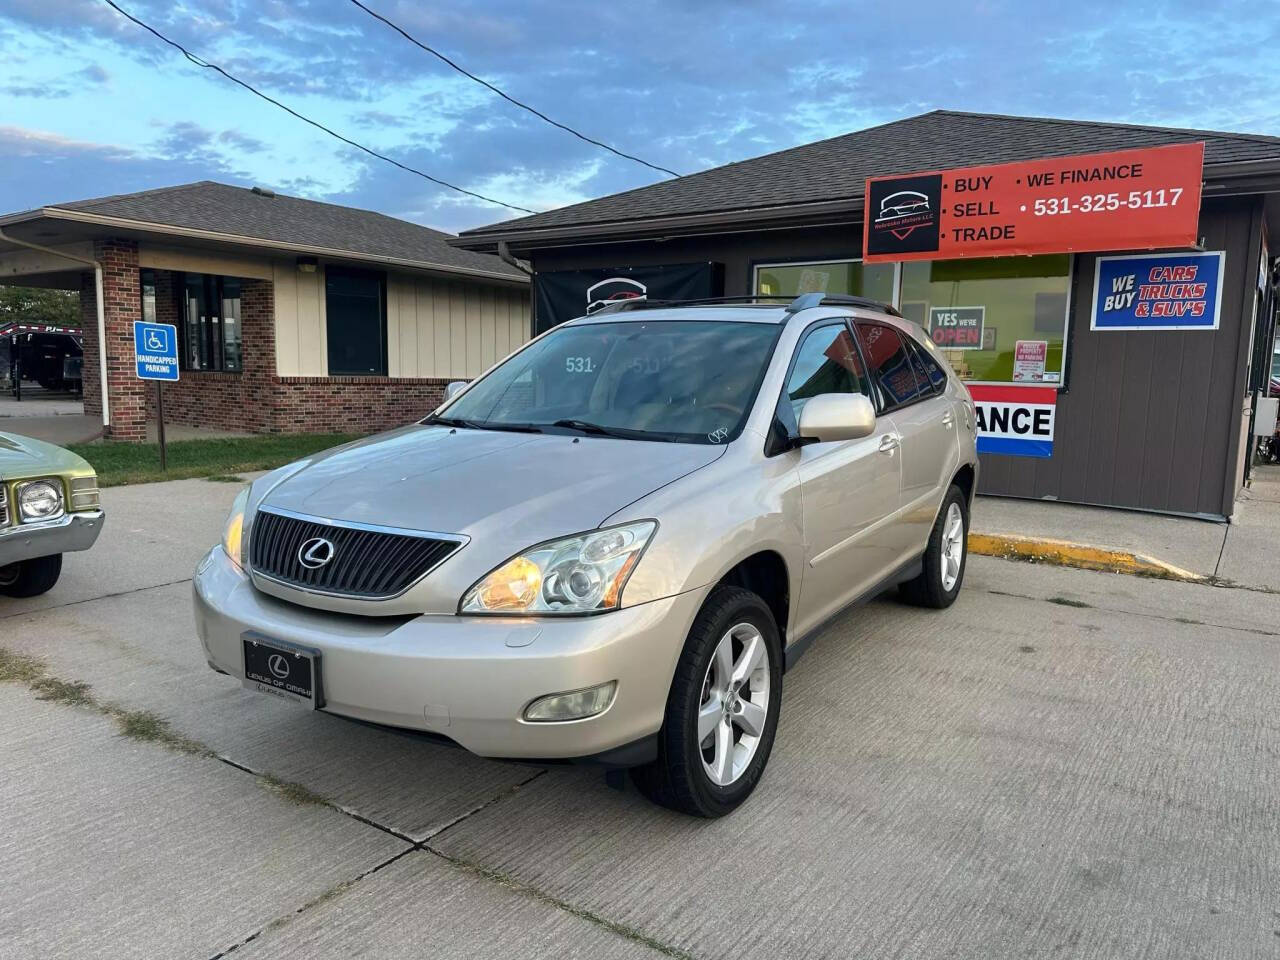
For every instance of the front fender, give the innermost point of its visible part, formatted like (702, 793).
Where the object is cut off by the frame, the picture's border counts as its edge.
(713, 519)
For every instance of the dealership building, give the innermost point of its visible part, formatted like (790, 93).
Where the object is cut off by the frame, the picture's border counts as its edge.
(1152, 414)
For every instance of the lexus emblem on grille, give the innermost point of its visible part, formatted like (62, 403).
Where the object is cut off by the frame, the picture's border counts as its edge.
(315, 552)
(278, 666)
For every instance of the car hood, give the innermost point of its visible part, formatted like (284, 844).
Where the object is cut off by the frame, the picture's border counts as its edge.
(509, 490)
(28, 457)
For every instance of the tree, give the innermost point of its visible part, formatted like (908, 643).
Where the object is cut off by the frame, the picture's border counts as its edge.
(37, 305)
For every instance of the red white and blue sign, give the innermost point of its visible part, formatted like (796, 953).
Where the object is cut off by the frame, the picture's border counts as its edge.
(1015, 421)
(1158, 291)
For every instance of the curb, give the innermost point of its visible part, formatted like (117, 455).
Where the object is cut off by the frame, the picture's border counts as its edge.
(1064, 553)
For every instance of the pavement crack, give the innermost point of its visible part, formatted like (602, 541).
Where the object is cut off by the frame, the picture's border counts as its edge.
(496, 798)
(104, 596)
(1186, 621)
(541, 896)
(332, 893)
(300, 794)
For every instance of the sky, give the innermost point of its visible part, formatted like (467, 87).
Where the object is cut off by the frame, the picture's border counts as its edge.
(92, 105)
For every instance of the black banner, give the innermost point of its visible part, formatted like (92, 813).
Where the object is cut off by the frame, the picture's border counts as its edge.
(561, 295)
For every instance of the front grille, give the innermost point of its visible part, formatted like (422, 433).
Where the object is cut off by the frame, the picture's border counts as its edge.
(4, 504)
(373, 564)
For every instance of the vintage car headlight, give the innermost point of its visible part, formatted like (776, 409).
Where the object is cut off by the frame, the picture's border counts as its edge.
(232, 534)
(579, 574)
(39, 500)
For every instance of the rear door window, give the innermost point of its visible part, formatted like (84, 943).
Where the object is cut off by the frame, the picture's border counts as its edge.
(890, 365)
(928, 370)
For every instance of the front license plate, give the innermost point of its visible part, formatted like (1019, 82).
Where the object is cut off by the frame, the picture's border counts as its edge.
(282, 669)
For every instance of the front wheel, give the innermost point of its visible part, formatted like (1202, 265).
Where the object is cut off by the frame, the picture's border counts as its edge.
(944, 557)
(30, 578)
(722, 712)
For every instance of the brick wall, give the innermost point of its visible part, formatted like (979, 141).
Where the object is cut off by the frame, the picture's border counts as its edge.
(92, 383)
(224, 401)
(351, 404)
(122, 305)
(255, 400)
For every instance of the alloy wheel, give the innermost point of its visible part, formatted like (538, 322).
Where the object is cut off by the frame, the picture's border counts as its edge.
(734, 704)
(952, 546)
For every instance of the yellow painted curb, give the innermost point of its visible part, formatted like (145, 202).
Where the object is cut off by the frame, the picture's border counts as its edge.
(1064, 553)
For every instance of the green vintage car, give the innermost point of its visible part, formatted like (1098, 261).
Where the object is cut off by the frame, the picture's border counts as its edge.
(48, 506)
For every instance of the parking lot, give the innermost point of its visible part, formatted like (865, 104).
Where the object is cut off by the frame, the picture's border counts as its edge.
(1064, 763)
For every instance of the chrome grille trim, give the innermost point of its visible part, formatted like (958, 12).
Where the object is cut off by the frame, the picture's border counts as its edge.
(4, 504)
(370, 561)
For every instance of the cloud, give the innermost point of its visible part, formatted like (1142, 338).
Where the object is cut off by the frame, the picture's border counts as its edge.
(45, 168)
(684, 85)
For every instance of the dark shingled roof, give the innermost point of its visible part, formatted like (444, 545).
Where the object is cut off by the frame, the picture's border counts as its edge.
(240, 212)
(835, 169)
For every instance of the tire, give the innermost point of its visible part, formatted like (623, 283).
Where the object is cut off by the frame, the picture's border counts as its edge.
(30, 578)
(679, 778)
(930, 588)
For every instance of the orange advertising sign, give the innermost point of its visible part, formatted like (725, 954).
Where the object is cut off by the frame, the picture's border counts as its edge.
(1127, 200)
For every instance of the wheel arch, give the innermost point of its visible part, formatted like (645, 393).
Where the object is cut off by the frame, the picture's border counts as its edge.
(765, 574)
(966, 478)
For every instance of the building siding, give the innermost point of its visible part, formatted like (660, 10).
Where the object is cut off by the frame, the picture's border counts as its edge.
(435, 327)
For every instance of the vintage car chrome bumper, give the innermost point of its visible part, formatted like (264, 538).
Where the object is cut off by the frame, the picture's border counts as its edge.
(68, 533)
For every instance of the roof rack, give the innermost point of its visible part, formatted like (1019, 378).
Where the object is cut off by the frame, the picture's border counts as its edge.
(807, 300)
(644, 303)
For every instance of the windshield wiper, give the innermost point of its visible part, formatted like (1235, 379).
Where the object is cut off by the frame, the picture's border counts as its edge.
(449, 421)
(600, 430)
(482, 424)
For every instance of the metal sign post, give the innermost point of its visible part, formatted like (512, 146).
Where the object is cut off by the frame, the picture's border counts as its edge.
(155, 348)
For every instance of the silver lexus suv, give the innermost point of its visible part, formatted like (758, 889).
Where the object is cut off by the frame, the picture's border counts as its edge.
(612, 545)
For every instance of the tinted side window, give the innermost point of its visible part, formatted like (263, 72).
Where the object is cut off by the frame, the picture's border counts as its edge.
(928, 371)
(890, 364)
(827, 361)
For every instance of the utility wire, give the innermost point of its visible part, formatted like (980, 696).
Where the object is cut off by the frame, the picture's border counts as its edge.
(505, 96)
(199, 62)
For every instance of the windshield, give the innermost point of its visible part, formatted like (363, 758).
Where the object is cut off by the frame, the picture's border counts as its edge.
(677, 380)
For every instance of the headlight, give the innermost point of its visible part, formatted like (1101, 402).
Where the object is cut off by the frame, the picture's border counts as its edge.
(579, 574)
(39, 500)
(232, 535)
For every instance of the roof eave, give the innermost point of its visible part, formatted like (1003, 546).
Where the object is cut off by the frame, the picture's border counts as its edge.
(1221, 179)
(789, 215)
(278, 246)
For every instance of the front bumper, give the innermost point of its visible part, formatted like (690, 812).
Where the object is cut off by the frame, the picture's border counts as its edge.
(465, 678)
(68, 533)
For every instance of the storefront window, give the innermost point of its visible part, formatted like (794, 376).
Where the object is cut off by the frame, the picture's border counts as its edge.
(978, 311)
(210, 337)
(874, 280)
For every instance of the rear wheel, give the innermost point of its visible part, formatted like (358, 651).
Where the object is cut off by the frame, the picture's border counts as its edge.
(722, 712)
(944, 558)
(30, 578)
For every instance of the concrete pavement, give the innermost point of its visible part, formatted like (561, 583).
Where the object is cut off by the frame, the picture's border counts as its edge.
(1064, 762)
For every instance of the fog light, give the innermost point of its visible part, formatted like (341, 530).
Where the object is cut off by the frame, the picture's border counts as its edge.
(577, 705)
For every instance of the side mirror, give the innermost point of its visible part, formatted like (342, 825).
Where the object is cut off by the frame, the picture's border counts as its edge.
(830, 417)
(454, 388)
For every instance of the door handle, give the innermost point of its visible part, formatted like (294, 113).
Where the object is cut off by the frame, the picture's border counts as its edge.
(948, 419)
(888, 444)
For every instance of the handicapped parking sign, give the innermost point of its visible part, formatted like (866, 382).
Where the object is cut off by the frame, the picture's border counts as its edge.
(155, 348)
